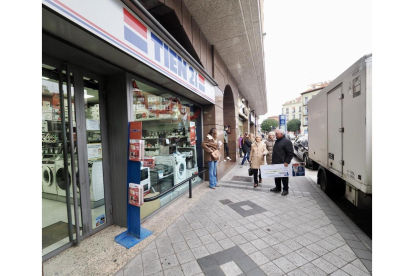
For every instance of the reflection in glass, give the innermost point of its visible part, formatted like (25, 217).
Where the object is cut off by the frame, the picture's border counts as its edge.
(94, 148)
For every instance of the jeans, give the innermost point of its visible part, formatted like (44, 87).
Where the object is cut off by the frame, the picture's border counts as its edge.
(255, 173)
(285, 181)
(212, 173)
(246, 157)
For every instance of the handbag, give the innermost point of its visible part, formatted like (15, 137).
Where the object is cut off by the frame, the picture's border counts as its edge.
(215, 155)
(250, 171)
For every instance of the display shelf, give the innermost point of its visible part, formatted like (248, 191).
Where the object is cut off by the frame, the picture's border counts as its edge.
(150, 138)
(152, 148)
(186, 147)
(151, 119)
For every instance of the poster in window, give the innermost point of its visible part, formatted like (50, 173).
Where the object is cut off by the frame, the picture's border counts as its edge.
(94, 151)
(192, 134)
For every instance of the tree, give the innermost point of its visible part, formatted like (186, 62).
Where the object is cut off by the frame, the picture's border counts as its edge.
(293, 125)
(269, 124)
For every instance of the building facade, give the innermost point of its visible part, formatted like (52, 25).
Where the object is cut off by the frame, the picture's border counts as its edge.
(292, 109)
(179, 68)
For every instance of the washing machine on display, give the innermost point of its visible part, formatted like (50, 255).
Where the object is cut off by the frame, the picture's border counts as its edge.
(49, 176)
(177, 161)
(60, 179)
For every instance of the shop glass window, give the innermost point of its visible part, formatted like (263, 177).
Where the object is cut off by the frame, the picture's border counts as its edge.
(169, 131)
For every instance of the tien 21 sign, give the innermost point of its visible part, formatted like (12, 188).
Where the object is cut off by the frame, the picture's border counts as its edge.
(115, 23)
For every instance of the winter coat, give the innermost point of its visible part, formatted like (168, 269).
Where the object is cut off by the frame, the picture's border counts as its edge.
(282, 151)
(269, 146)
(246, 144)
(209, 145)
(256, 155)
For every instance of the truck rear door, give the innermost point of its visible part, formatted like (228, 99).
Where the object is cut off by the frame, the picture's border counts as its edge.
(335, 130)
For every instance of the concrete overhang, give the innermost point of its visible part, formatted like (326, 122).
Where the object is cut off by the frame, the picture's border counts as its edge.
(235, 29)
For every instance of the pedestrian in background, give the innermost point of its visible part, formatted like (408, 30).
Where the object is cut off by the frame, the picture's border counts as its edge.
(226, 142)
(211, 148)
(257, 158)
(246, 147)
(270, 142)
(282, 154)
(240, 145)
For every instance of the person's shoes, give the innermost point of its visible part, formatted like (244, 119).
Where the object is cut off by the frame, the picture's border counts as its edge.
(284, 193)
(255, 185)
(276, 190)
(260, 180)
(212, 188)
(228, 158)
(217, 186)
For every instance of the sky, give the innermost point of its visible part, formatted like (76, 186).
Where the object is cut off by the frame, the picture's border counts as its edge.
(311, 41)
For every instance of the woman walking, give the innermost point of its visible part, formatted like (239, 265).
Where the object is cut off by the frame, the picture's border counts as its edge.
(270, 142)
(246, 144)
(211, 148)
(257, 158)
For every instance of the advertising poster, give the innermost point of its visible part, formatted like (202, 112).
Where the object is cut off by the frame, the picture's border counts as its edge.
(276, 170)
(136, 150)
(298, 169)
(135, 194)
(92, 124)
(192, 134)
(94, 151)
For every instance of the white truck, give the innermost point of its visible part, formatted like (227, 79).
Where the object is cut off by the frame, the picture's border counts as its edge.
(340, 134)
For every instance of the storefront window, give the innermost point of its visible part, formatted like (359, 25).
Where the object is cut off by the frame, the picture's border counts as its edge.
(169, 131)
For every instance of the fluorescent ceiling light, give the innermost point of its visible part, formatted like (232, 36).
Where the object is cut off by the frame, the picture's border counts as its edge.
(45, 78)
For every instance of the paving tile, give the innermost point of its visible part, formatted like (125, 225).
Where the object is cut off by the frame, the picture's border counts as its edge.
(189, 235)
(363, 254)
(152, 267)
(349, 236)
(175, 271)
(149, 255)
(137, 260)
(169, 262)
(344, 255)
(307, 254)
(297, 272)
(212, 229)
(231, 232)
(249, 236)
(207, 239)
(179, 247)
(150, 246)
(335, 260)
(343, 229)
(326, 266)
(193, 243)
(353, 270)
(214, 272)
(238, 239)
(282, 249)
(358, 264)
(185, 256)
(259, 258)
(235, 252)
(335, 241)
(213, 247)
(326, 245)
(284, 264)
(201, 232)
(185, 228)
(271, 253)
(176, 238)
(222, 257)
(339, 272)
(312, 270)
(245, 263)
(296, 259)
(356, 244)
(231, 269)
(303, 241)
(259, 244)
(219, 236)
(368, 264)
(248, 248)
(271, 269)
(136, 270)
(191, 268)
(260, 233)
(207, 262)
(270, 240)
(200, 252)
(165, 251)
(226, 243)
(292, 244)
(317, 249)
(255, 272)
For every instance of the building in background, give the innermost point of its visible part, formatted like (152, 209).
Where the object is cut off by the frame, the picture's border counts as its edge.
(292, 109)
(177, 66)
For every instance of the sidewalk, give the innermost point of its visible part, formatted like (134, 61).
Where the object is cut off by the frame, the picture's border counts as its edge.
(238, 230)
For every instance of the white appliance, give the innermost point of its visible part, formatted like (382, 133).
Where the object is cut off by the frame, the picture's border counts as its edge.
(60, 178)
(96, 184)
(145, 180)
(177, 161)
(48, 177)
(191, 172)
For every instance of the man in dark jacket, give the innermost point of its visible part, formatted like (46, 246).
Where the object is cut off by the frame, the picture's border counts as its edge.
(282, 154)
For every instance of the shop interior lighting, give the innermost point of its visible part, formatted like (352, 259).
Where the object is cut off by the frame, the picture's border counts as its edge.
(45, 78)
(86, 96)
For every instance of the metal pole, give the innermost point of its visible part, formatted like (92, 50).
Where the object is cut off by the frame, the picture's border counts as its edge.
(65, 153)
(72, 154)
(190, 188)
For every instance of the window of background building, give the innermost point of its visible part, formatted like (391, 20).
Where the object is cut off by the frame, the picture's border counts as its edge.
(300, 109)
(287, 110)
(306, 100)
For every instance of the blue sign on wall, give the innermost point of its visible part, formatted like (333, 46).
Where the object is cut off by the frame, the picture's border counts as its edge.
(282, 120)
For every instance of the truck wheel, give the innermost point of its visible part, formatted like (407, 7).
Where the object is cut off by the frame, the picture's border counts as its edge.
(323, 181)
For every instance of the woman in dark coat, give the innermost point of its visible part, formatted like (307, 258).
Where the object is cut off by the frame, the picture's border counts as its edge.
(246, 147)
